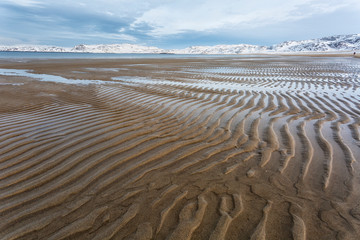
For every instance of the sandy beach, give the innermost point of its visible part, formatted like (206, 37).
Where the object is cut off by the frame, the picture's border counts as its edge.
(252, 147)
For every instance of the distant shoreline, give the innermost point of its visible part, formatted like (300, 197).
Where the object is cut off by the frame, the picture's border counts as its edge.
(310, 54)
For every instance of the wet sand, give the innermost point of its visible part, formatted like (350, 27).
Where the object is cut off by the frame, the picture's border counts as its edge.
(266, 147)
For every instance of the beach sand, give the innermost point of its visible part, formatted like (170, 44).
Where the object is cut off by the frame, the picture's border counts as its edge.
(263, 147)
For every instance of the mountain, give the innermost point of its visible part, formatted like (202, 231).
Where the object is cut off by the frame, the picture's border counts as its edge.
(111, 48)
(116, 48)
(326, 44)
(221, 49)
(333, 43)
(33, 48)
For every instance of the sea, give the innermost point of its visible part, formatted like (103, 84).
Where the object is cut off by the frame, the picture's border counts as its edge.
(72, 55)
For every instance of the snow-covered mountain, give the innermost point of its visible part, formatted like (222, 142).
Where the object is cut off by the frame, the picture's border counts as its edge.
(102, 48)
(34, 48)
(116, 48)
(221, 49)
(333, 43)
(326, 44)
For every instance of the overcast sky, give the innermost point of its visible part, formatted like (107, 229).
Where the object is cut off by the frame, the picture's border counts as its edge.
(174, 23)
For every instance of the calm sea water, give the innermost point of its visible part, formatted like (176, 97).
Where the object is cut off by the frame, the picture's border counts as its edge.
(60, 55)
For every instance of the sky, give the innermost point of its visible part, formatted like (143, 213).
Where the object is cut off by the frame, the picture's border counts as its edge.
(174, 24)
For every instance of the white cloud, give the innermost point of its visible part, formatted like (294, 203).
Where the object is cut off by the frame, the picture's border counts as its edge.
(117, 20)
(25, 3)
(96, 35)
(177, 17)
(9, 41)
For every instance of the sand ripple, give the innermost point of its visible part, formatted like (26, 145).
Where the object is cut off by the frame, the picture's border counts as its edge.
(220, 148)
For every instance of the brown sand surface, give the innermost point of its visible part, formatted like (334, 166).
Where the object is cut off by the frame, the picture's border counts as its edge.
(264, 147)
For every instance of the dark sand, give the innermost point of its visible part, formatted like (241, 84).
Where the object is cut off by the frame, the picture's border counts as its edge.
(217, 148)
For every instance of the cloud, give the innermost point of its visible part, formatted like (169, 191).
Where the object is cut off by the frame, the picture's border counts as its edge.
(178, 17)
(167, 21)
(25, 3)
(61, 21)
(9, 41)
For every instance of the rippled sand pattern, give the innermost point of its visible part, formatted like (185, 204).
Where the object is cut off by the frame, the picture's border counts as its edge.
(216, 148)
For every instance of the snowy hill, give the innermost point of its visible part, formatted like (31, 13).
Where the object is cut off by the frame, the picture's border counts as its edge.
(33, 48)
(102, 48)
(333, 43)
(221, 49)
(116, 48)
(326, 44)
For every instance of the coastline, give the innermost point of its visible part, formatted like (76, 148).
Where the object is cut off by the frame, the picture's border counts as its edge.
(86, 55)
